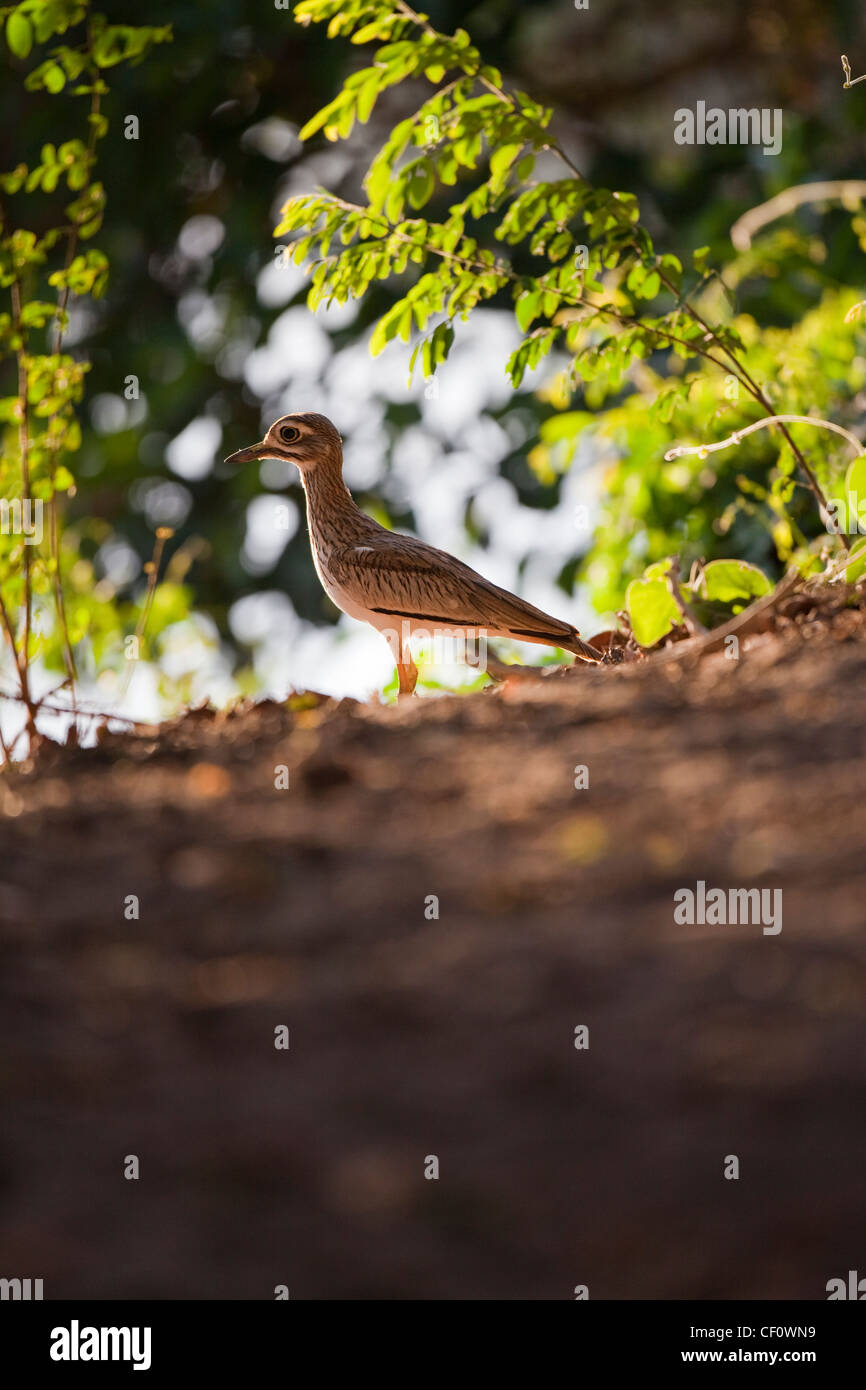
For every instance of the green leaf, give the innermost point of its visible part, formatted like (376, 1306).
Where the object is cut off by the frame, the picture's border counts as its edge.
(12, 181)
(421, 184)
(527, 308)
(19, 34)
(54, 78)
(733, 581)
(659, 570)
(559, 246)
(855, 497)
(37, 313)
(367, 98)
(322, 118)
(857, 567)
(387, 327)
(63, 479)
(502, 159)
(652, 610)
(643, 281)
(436, 348)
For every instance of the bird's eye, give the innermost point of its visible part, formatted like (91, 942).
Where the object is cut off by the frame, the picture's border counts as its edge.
(289, 433)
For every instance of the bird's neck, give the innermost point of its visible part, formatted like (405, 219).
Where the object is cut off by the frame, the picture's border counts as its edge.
(332, 514)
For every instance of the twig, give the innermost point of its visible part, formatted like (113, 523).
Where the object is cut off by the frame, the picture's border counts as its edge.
(20, 671)
(846, 68)
(10, 634)
(163, 533)
(72, 245)
(702, 449)
(57, 585)
(83, 713)
(60, 312)
(504, 270)
(712, 336)
(834, 572)
(833, 190)
(553, 145)
(740, 371)
(710, 641)
(755, 390)
(24, 450)
(691, 621)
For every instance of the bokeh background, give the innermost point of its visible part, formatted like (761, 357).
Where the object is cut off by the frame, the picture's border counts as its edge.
(219, 337)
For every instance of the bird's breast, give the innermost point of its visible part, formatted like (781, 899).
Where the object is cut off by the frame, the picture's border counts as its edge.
(336, 591)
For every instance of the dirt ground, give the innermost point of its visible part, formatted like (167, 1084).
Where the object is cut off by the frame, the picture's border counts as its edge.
(413, 1036)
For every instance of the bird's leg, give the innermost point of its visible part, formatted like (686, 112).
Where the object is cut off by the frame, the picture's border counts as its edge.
(407, 673)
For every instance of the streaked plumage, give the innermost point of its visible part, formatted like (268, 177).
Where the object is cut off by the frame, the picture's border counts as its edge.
(398, 584)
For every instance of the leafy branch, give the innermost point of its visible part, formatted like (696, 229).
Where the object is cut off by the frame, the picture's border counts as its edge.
(39, 417)
(600, 292)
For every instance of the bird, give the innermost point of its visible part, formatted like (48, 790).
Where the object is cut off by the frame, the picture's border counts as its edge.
(398, 584)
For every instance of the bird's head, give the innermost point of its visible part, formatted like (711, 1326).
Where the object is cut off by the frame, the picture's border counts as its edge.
(305, 440)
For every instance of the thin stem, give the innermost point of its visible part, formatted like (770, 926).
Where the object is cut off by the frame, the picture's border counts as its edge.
(507, 97)
(692, 622)
(22, 674)
(407, 10)
(739, 370)
(83, 713)
(24, 449)
(162, 535)
(756, 391)
(846, 68)
(832, 190)
(62, 303)
(72, 244)
(57, 586)
(739, 435)
(500, 268)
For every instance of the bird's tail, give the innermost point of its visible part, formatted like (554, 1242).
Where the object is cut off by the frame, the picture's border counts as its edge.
(581, 649)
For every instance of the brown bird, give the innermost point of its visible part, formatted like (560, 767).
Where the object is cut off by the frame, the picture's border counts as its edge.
(396, 583)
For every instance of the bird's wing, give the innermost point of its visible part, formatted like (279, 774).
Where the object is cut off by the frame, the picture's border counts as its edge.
(406, 578)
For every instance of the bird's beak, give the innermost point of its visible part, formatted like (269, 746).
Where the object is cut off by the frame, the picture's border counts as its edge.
(255, 451)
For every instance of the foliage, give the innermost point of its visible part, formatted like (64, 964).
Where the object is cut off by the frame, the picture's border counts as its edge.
(51, 608)
(716, 592)
(655, 349)
(186, 325)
